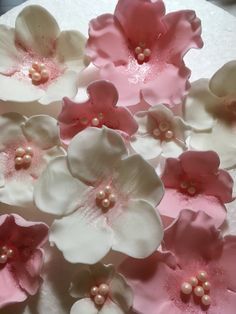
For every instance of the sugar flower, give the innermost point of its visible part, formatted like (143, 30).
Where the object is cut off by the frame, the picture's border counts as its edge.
(37, 60)
(194, 181)
(147, 58)
(100, 109)
(26, 146)
(101, 290)
(195, 275)
(21, 258)
(210, 109)
(105, 197)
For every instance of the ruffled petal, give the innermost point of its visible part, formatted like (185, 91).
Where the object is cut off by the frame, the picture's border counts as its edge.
(36, 30)
(84, 306)
(81, 284)
(110, 307)
(172, 148)
(138, 215)
(92, 238)
(121, 293)
(102, 149)
(147, 146)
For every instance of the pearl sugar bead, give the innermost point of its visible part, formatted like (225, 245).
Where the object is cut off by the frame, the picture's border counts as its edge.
(193, 281)
(198, 291)
(202, 275)
(103, 289)
(39, 72)
(3, 259)
(94, 291)
(99, 299)
(206, 300)
(186, 288)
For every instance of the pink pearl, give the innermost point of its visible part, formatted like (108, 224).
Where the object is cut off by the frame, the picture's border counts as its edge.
(192, 191)
(138, 50)
(27, 159)
(193, 281)
(169, 134)
(112, 198)
(4, 248)
(29, 150)
(99, 299)
(84, 120)
(206, 300)
(42, 66)
(206, 285)
(3, 259)
(101, 195)
(10, 253)
(156, 132)
(202, 275)
(19, 152)
(105, 203)
(32, 71)
(45, 74)
(107, 189)
(18, 161)
(100, 116)
(94, 291)
(36, 77)
(164, 126)
(198, 291)
(184, 185)
(103, 289)
(35, 65)
(95, 122)
(147, 52)
(141, 57)
(186, 288)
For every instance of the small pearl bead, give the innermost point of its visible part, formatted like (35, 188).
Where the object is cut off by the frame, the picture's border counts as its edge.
(164, 126)
(27, 159)
(192, 191)
(10, 253)
(169, 134)
(99, 299)
(184, 185)
(4, 248)
(35, 66)
(107, 189)
(193, 281)
(29, 150)
(147, 52)
(103, 289)
(198, 291)
(186, 288)
(206, 300)
(141, 57)
(138, 50)
(105, 203)
(156, 132)
(32, 71)
(206, 285)
(95, 122)
(202, 275)
(84, 121)
(112, 198)
(101, 195)
(100, 116)
(18, 160)
(45, 74)
(42, 66)
(36, 77)
(3, 259)
(94, 291)
(20, 152)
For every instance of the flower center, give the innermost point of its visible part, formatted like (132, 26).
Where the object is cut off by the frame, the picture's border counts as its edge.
(23, 156)
(99, 293)
(6, 253)
(105, 198)
(163, 131)
(188, 187)
(142, 53)
(39, 73)
(199, 287)
(95, 121)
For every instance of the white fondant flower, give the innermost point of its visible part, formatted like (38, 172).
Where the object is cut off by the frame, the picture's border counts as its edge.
(159, 133)
(26, 146)
(210, 109)
(37, 60)
(100, 290)
(107, 198)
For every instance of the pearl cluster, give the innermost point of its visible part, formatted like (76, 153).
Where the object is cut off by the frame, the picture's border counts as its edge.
(142, 53)
(39, 73)
(5, 253)
(99, 293)
(94, 122)
(199, 286)
(163, 131)
(23, 156)
(188, 187)
(106, 198)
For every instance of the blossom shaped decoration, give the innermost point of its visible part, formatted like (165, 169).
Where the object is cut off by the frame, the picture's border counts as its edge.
(26, 146)
(194, 181)
(100, 289)
(100, 109)
(105, 197)
(147, 59)
(21, 258)
(195, 275)
(37, 60)
(159, 133)
(210, 109)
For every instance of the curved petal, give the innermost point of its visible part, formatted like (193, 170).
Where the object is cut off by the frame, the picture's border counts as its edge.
(81, 283)
(121, 293)
(172, 173)
(84, 306)
(172, 148)
(92, 239)
(110, 307)
(146, 145)
(102, 273)
(37, 30)
(102, 149)
(138, 215)
(57, 191)
(138, 179)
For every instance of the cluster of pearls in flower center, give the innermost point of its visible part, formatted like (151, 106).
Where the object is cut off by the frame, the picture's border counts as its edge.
(94, 121)
(39, 73)
(23, 156)
(188, 188)
(163, 131)
(5, 253)
(106, 198)
(142, 53)
(199, 286)
(99, 293)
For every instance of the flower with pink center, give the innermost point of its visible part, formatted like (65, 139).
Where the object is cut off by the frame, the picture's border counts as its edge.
(37, 60)
(147, 58)
(194, 181)
(21, 258)
(105, 196)
(194, 274)
(100, 289)
(26, 146)
(100, 109)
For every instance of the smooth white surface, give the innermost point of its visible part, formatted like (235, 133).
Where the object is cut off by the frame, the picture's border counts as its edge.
(219, 37)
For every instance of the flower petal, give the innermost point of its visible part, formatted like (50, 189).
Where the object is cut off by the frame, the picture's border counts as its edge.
(84, 306)
(138, 215)
(172, 148)
(147, 146)
(110, 307)
(37, 30)
(80, 239)
(102, 149)
(121, 293)
(138, 179)
(81, 284)
(57, 191)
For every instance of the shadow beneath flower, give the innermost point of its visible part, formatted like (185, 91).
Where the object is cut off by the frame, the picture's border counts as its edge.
(31, 304)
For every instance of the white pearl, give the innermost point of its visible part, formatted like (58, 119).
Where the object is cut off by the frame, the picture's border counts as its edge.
(45, 74)
(206, 300)
(27, 159)
(94, 291)
(164, 126)
(141, 57)
(20, 152)
(192, 191)
(105, 203)
(95, 122)
(193, 281)
(101, 195)
(156, 132)
(42, 66)
(169, 134)
(35, 65)
(198, 291)
(107, 189)
(138, 50)
(206, 285)
(99, 299)
(202, 275)
(36, 77)
(32, 71)
(112, 198)
(103, 289)
(147, 52)
(10, 253)
(29, 150)
(19, 161)
(184, 185)
(186, 288)
(3, 259)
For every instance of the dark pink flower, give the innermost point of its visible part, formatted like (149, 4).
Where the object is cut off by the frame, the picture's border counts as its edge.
(198, 261)
(140, 50)
(21, 258)
(100, 109)
(194, 181)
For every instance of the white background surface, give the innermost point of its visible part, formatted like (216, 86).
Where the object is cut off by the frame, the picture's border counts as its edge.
(219, 36)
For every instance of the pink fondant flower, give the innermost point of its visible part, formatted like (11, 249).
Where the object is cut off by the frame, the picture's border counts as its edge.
(37, 60)
(195, 275)
(194, 181)
(100, 109)
(26, 146)
(100, 289)
(105, 197)
(147, 57)
(21, 258)
(211, 108)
